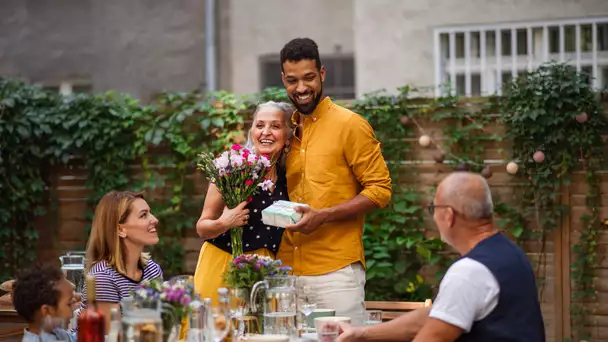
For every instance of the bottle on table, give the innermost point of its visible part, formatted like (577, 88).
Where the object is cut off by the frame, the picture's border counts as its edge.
(115, 326)
(91, 323)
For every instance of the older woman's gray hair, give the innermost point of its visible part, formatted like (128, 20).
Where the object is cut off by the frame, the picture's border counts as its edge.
(287, 110)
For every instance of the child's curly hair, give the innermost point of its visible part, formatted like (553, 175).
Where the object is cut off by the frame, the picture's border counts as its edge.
(34, 287)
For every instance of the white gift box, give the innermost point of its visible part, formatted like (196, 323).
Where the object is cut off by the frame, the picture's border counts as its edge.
(282, 214)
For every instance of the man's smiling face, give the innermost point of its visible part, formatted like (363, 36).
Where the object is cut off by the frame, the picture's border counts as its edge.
(304, 84)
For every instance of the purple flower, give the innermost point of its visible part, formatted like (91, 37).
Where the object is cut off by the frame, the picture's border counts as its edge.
(185, 300)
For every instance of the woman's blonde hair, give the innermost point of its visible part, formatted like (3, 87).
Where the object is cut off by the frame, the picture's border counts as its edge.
(104, 242)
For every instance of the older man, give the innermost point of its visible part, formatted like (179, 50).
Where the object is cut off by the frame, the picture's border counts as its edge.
(489, 294)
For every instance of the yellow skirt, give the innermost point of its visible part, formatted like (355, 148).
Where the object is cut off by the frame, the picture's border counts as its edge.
(212, 263)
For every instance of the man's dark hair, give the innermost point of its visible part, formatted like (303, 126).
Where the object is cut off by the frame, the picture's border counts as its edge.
(34, 287)
(299, 49)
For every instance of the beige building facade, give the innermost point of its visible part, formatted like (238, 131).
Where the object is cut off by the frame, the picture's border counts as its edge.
(401, 50)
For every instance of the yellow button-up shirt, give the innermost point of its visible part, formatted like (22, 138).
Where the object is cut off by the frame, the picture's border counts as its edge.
(335, 157)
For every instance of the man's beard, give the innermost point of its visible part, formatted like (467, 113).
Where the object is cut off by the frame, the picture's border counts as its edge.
(310, 107)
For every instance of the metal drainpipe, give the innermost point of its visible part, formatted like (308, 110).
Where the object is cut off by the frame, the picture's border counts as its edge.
(210, 61)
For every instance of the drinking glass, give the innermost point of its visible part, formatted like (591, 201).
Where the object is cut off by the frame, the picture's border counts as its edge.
(239, 307)
(306, 305)
(328, 332)
(239, 302)
(73, 268)
(220, 323)
(181, 279)
(47, 327)
(49, 323)
(373, 317)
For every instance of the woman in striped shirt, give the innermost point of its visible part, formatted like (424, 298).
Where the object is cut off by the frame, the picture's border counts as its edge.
(123, 225)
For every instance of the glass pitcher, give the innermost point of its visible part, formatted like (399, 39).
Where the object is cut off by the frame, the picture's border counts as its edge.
(279, 304)
(73, 266)
(141, 319)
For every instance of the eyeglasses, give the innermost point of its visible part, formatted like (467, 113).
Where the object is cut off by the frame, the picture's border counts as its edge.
(431, 207)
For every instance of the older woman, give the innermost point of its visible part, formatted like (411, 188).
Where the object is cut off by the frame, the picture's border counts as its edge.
(122, 226)
(270, 134)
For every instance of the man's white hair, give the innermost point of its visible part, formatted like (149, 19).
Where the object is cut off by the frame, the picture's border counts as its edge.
(469, 194)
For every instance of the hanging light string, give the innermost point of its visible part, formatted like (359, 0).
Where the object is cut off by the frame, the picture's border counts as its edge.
(446, 154)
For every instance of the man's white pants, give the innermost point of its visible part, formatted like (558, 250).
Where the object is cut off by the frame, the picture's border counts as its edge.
(342, 290)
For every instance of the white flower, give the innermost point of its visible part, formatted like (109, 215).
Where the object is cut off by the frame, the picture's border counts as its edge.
(142, 293)
(251, 158)
(222, 162)
(265, 161)
(237, 160)
(266, 184)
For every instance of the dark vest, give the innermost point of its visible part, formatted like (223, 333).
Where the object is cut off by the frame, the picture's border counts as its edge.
(517, 317)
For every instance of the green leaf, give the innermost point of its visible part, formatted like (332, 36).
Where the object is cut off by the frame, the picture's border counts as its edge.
(423, 252)
(517, 231)
(218, 122)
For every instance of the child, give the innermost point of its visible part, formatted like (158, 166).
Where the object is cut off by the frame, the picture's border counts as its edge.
(43, 297)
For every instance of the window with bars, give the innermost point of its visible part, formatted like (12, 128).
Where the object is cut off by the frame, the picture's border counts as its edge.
(478, 60)
(339, 75)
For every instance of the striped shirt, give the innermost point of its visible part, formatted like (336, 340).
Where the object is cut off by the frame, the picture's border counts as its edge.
(113, 287)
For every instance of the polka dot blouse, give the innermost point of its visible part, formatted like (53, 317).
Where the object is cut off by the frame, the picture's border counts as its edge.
(256, 234)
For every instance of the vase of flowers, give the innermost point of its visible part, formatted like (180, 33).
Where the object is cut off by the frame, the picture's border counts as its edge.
(237, 174)
(176, 297)
(243, 272)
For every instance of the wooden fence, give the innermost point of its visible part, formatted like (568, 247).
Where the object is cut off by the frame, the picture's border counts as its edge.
(64, 229)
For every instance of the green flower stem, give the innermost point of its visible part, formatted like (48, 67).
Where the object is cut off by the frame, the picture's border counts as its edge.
(236, 240)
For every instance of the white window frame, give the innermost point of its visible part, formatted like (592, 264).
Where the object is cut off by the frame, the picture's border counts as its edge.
(491, 66)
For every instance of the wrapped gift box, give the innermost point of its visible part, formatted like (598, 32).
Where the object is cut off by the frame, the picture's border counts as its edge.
(282, 214)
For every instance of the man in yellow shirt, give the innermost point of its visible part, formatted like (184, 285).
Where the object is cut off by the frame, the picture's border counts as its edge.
(335, 166)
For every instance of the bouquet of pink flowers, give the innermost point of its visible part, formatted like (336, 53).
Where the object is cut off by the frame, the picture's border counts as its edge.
(237, 174)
